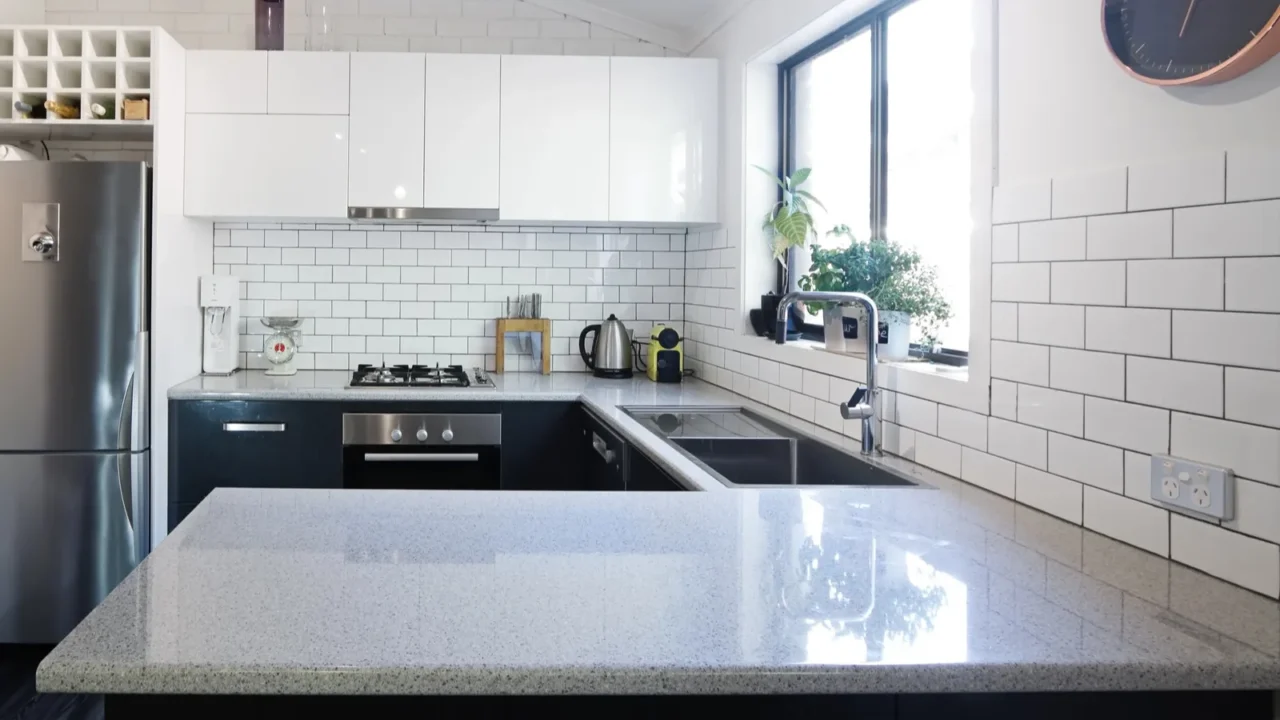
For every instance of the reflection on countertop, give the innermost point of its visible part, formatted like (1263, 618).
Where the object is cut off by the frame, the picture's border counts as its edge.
(769, 591)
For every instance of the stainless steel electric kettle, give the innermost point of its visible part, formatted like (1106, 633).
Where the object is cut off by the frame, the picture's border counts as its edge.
(610, 355)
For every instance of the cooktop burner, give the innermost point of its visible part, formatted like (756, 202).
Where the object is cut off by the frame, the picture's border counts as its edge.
(453, 376)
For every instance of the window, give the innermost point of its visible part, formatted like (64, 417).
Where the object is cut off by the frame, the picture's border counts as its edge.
(881, 110)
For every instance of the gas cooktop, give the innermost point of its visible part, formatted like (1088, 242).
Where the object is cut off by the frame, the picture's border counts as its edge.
(423, 376)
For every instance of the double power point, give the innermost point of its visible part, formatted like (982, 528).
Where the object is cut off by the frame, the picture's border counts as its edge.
(1199, 489)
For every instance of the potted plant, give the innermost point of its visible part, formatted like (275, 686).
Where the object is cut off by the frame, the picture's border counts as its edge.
(788, 224)
(903, 286)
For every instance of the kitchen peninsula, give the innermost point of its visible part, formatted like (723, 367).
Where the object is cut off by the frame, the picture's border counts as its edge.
(889, 602)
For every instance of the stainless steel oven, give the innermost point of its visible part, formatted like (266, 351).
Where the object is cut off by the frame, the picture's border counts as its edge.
(422, 452)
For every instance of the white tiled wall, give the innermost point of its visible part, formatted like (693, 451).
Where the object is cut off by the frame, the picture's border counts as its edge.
(488, 26)
(1134, 311)
(400, 294)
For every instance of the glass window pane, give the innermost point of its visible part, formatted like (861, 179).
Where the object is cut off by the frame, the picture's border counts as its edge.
(929, 45)
(833, 138)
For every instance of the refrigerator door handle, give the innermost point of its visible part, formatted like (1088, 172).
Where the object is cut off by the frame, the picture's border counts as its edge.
(133, 476)
(124, 478)
(134, 428)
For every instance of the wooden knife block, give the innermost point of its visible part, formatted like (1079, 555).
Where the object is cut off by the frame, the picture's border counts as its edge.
(512, 325)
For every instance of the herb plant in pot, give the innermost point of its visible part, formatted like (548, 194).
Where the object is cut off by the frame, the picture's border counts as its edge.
(787, 225)
(904, 287)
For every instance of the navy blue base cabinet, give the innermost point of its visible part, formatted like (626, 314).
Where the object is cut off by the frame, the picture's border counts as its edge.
(229, 443)
(298, 444)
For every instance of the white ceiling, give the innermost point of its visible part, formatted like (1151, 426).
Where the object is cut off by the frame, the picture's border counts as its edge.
(678, 24)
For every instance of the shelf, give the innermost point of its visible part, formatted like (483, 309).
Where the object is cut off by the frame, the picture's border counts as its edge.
(31, 74)
(101, 44)
(77, 65)
(68, 43)
(136, 44)
(122, 130)
(134, 75)
(33, 43)
(99, 75)
(66, 75)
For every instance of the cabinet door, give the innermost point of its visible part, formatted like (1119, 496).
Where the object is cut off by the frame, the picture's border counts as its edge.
(266, 166)
(308, 83)
(252, 445)
(663, 148)
(541, 446)
(464, 94)
(644, 475)
(226, 81)
(555, 138)
(387, 129)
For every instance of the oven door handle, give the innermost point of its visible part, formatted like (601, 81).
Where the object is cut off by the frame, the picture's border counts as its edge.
(422, 457)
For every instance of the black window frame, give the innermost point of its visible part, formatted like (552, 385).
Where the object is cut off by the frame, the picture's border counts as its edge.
(875, 21)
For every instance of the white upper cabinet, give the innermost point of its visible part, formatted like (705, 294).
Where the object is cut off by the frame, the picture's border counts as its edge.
(555, 138)
(463, 101)
(664, 147)
(308, 83)
(388, 96)
(266, 166)
(226, 81)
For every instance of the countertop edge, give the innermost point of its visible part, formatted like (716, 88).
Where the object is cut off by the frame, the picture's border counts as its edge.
(863, 679)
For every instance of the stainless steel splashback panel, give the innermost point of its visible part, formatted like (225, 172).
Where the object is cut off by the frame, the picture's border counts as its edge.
(74, 358)
(71, 527)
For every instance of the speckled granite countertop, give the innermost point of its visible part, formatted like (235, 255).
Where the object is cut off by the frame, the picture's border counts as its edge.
(951, 589)
(332, 385)
(750, 591)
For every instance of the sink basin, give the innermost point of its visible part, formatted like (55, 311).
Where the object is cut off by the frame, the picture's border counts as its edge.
(740, 448)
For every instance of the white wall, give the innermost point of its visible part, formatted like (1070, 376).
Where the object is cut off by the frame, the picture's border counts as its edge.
(485, 26)
(22, 12)
(1066, 107)
(1108, 188)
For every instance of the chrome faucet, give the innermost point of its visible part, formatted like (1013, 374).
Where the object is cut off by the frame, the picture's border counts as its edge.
(862, 406)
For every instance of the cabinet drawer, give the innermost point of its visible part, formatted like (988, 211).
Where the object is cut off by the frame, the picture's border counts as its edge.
(253, 445)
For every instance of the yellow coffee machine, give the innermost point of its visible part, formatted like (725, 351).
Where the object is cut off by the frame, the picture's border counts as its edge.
(666, 355)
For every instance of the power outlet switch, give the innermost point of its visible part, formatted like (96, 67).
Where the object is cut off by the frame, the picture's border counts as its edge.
(1199, 489)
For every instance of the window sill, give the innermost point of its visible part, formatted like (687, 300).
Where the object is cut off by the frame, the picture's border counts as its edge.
(950, 372)
(813, 355)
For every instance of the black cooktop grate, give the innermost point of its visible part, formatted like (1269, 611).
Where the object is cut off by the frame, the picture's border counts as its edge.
(410, 376)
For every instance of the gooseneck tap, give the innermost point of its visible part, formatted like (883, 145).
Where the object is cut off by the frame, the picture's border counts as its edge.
(862, 406)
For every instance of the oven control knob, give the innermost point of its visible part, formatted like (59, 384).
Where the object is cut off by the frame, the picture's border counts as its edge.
(447, 435)
(422, 435)
(396, 435)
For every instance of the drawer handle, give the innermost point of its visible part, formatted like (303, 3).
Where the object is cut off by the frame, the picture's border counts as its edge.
(253, 427)
(422, 457)
(602, 448)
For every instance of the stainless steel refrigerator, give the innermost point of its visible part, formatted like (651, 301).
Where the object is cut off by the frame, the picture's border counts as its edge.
(74, 436)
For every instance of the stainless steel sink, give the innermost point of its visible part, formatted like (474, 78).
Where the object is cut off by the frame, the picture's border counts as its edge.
(740, 448)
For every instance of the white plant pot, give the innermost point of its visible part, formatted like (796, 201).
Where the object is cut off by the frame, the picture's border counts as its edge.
(898, 346)
(833, 329)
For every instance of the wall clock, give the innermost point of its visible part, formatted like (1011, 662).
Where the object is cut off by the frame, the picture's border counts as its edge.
(1191, 42)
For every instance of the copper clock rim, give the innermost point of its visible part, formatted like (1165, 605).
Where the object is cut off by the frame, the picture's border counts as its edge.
(1248, 58)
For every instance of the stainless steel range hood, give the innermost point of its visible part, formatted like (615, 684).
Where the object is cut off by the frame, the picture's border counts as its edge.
(425, 215)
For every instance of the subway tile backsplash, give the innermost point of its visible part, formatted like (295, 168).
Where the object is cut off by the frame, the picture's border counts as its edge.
(430, 294)
(1133, 313)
